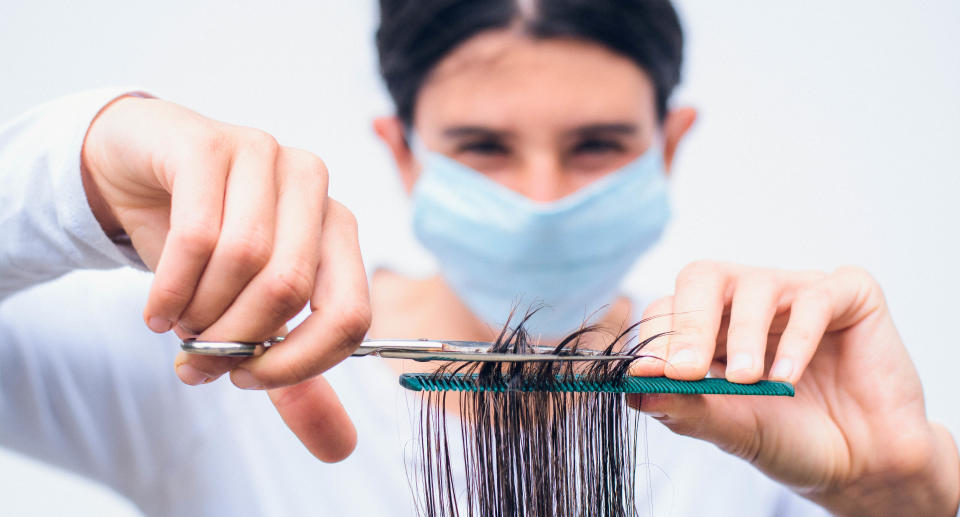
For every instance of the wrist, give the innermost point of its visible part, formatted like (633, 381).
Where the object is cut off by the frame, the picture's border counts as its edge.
(926, 484)
(101, 210)
(93, 161)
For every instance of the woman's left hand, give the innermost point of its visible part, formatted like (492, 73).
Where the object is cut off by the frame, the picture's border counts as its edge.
(856, 438)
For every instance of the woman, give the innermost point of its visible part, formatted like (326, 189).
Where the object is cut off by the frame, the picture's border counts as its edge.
(546, 110)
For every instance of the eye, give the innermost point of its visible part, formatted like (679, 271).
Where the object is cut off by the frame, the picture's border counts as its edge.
(484, 147)
(597, 146)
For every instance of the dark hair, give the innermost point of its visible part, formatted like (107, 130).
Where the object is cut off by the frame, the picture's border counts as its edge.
(536, 453)
(414, 35)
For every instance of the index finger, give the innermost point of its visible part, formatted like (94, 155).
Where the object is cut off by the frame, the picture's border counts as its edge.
(196, 205)
(340, 316)
(698, 304)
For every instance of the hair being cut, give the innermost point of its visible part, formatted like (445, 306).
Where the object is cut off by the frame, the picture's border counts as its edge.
(415, 35)
(532, 453)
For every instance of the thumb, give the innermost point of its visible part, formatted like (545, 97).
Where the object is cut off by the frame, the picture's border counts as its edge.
(714, 418)
(313, 412)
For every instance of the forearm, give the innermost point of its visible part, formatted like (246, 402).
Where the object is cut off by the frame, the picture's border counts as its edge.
(931, 489)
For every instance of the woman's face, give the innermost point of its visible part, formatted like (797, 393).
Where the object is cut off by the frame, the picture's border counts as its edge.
(541, 117)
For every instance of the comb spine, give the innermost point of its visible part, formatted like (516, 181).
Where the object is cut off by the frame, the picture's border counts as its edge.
(709, 386)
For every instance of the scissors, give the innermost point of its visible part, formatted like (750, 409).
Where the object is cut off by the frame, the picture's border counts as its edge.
(417, 349)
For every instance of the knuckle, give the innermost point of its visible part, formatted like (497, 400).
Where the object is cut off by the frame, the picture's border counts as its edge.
(318, 175)
(700, 267)
(812, 275)
(797, 334)
(698, 272)
(317, 166)
(249, 251)
(258, 141)
(308, 166)
(211, 140)
(196, 239)
(759, 278)
(815, 297)
(346, 220)
(688, 333)
(354, 321)
(868, 284)
(866, 290)
(741, 329)
(288, 291)
(687, 328)
(659, 307)
(205, 142)
(290, 372)
(172, 295)
(855, 272)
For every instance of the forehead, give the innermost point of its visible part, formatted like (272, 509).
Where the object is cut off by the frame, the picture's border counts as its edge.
(506, 79)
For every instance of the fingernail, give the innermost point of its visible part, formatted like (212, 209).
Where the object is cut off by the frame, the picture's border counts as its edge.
(741, 361)
(643, 363)
(191, 375)
(685, 356)
(783, 369)
(245, 380)
(159, 325)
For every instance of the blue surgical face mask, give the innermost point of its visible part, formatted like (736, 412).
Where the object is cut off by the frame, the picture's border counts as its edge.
(496, 247)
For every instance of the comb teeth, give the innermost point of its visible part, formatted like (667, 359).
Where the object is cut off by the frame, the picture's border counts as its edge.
(577, 384)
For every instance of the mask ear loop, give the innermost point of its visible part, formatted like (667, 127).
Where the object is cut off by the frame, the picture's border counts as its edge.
(657, 141)
(416, 145)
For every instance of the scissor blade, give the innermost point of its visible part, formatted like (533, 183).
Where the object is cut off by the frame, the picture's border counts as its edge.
(460, 347)
(416, 349)
(440, 355)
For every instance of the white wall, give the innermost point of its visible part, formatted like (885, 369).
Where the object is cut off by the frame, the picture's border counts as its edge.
(828, 135)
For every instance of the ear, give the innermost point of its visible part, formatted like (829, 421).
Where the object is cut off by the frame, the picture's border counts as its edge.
(391, 131)
(675, 127)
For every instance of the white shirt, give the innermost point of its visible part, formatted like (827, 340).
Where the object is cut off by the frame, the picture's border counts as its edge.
(84, 384)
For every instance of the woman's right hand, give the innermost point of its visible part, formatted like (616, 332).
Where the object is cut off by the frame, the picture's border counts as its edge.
(241, 235)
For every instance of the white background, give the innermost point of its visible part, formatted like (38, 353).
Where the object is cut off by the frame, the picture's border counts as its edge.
(828, 135)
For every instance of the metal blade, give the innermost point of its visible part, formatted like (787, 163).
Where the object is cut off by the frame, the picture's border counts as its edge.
(416, 349)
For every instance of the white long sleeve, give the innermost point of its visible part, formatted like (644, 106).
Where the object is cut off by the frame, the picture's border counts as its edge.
(46, 226)
(84, 385)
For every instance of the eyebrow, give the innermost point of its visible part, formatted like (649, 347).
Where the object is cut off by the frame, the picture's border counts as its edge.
(621, 128)
(474, 131)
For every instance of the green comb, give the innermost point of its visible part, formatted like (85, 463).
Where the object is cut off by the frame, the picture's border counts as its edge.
(468, 382)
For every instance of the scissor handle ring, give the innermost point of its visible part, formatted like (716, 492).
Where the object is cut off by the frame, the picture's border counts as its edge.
(227, 348)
